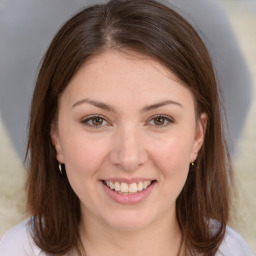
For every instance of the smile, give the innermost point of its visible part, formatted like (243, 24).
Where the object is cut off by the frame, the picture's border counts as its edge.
(125, 188)
(128, 192)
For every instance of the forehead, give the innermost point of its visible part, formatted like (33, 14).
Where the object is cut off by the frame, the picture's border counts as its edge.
(127, 57)
(114, 74)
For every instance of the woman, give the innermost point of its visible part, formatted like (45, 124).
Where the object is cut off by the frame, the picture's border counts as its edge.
(126, 147)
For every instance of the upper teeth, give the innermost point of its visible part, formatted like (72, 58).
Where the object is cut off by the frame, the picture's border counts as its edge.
(128, 188)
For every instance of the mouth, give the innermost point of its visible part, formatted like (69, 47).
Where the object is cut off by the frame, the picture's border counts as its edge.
(128, 188)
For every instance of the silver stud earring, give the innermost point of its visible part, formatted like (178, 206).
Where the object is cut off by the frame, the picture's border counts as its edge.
(60, 168)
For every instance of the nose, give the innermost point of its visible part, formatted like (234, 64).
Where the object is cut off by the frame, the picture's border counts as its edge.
(128, 150)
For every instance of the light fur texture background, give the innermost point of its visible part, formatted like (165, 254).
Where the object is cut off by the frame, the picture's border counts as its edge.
(243, 20)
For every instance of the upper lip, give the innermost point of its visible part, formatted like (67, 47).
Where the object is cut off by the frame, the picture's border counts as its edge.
(128, 181)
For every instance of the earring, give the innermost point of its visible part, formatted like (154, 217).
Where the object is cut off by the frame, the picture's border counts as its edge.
(60, 168)
(193, 165)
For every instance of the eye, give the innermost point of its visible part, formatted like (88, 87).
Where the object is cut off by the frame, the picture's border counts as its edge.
(160, 120)
(95, 121)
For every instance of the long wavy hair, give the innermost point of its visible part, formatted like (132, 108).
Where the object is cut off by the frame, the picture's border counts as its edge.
(150, 28)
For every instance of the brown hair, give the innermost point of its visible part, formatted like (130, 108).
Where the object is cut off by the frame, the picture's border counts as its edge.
(150, 28)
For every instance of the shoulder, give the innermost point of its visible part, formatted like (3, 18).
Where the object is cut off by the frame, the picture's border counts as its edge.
(18, 241)
(234, 244)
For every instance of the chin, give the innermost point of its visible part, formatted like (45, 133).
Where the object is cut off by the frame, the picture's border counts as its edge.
(131, 221)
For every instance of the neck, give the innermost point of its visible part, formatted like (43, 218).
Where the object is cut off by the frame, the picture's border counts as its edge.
(160, 238)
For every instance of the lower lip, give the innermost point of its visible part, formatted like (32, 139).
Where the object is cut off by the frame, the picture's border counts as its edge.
(129, 198)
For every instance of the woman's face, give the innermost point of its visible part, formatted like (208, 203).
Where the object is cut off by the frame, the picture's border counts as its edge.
(127, 133)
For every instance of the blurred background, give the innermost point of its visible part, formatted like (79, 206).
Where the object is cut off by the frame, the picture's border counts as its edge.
(228, 28)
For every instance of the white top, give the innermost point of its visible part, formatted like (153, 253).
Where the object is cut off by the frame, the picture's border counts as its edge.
(18, 241)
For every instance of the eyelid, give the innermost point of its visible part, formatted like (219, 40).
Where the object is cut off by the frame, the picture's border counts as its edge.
(85, 120)
(168, 118)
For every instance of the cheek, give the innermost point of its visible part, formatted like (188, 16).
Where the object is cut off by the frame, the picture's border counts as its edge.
(83, 160)
(172, 163)
(83, 155)
(173, 152)
(172, 159)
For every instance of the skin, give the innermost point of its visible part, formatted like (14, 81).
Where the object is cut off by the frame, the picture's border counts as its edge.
(127, 143)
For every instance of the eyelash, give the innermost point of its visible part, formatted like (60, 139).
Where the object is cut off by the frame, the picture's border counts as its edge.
(87, 120)
(90, 118)
(169, 120)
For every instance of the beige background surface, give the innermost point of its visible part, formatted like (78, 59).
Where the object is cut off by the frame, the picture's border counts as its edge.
(243, 20)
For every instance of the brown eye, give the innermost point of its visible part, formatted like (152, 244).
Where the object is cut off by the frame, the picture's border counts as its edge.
(97, 120)
(94, 121)
(160, 121)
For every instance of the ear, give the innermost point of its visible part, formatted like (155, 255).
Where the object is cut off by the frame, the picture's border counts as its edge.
(56, 143)
(199, 136)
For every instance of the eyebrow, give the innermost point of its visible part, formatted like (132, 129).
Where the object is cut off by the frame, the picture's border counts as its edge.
(112, 109)
(94, 103)
(160, 104)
